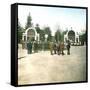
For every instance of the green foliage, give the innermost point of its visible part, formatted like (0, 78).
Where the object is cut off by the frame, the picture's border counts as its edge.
(20, 31)
(29, 23)
(58, 36)
(42, 35)
(49, 37)
(40, 32)
(83, 38)
(62, 36)
(64, 32)
(47, 31)
(37, 28)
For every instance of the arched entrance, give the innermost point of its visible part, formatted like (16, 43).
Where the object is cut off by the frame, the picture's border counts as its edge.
(71, 36)
(30, 35)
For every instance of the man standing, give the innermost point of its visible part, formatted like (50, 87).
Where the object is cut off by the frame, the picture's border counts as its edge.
(29, 47)
(68, 47)
(55, 48)
(51, 47)
(62, 48)
(59, 48)
(35, 46)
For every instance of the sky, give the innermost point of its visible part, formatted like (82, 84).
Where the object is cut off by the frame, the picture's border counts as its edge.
(54, 17)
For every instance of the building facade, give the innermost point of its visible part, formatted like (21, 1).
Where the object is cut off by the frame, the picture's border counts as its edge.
(72, 36)
(30, 34)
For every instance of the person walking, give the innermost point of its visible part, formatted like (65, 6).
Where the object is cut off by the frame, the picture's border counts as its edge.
(55, 48)
(68, 47)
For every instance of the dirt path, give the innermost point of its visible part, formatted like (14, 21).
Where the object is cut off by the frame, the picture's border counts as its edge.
(45, 68)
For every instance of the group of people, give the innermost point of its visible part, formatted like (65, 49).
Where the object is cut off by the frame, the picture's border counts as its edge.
(58, 48)
(55, 48)
(32, 47)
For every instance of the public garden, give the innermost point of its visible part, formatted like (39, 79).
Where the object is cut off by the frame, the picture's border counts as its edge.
(37, 65)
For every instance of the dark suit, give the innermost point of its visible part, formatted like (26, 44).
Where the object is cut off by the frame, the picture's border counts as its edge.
(29, 47)
(68, 47)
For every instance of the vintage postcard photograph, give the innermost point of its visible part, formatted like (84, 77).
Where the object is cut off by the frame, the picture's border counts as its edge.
(52, 44)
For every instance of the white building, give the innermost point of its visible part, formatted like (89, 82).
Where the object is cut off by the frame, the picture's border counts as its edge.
(72, 36)
(30, 34)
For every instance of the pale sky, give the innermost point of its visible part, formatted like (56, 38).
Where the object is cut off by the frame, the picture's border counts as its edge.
(53, 17)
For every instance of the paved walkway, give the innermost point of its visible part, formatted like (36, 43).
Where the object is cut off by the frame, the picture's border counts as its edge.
(45, 68)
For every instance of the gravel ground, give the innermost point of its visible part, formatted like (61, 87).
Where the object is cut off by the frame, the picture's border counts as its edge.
(42, 67)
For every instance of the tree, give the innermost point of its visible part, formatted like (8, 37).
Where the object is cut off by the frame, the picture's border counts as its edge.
(37, 28)
(20, 31)
(64, 32)
(83, 38)
(40, 32)
(42, 35)
(47, 31)
(29, 22)
(58, 35)
(49, 37)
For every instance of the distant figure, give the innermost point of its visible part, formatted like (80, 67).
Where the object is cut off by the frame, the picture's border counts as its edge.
(55, 48)
(59, 48)
(35, 46)
(29, 47)
(68, 47)
(62, 48)
(23, 44)
(51, 47)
